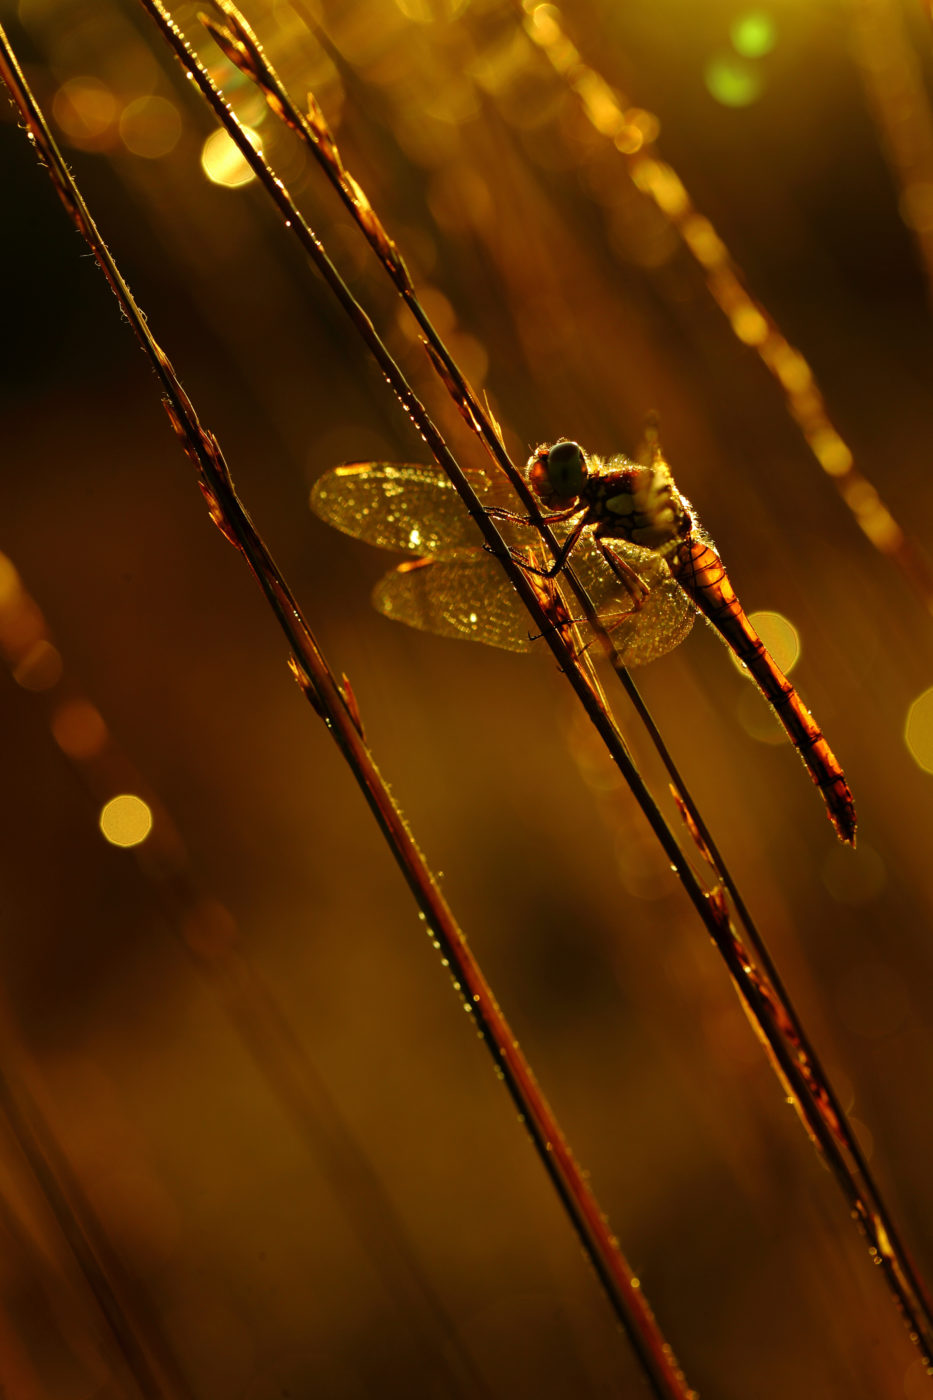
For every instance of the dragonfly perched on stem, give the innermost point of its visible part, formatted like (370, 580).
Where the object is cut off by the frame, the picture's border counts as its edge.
(632, 540)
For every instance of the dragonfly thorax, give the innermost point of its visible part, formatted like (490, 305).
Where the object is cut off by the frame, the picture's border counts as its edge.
(640, 504)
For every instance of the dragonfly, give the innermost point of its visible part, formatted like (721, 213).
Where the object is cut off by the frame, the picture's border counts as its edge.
(632, 539)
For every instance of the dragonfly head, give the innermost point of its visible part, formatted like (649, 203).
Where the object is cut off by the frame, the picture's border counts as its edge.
(558, 474)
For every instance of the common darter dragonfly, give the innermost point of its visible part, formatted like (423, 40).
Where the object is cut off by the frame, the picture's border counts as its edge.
(631, 538)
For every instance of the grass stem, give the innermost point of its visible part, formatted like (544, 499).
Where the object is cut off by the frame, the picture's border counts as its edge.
(331, 700)
(771, 1009)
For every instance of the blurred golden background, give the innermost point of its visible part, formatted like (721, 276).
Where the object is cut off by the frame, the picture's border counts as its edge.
(229, 1048)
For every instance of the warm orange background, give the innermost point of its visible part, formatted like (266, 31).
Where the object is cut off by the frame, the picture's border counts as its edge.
(260, 1263)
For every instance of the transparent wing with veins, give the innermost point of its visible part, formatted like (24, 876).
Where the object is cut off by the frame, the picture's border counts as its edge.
(414, 509)
(460, 590)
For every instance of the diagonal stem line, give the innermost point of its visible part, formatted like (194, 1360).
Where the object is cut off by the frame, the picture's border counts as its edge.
(791, 1064)
(755, 994)
(243, 48)
(338, 710)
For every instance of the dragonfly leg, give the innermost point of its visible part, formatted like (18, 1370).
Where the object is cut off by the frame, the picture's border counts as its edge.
(560, 557)
(500, 513)
(633, 583)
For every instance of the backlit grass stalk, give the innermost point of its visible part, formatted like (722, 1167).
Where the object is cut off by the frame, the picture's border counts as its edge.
(334, 702)
(630, 131)
(242, 47)
(765, 998)
(763, 1006)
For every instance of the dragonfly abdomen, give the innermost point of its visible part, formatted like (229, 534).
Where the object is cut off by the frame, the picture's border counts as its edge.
(701, 573)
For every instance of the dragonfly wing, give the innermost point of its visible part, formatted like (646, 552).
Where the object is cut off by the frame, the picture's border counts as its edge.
(461, 593)
(659, 625)
(406, 507)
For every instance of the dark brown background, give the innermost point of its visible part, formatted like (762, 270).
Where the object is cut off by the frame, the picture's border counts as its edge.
(263, 1272)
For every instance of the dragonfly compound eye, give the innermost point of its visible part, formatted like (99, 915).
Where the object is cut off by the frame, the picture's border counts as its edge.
(566, 469)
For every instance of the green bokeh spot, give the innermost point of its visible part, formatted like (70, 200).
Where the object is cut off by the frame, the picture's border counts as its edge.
(753, 34)
(733, 82)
